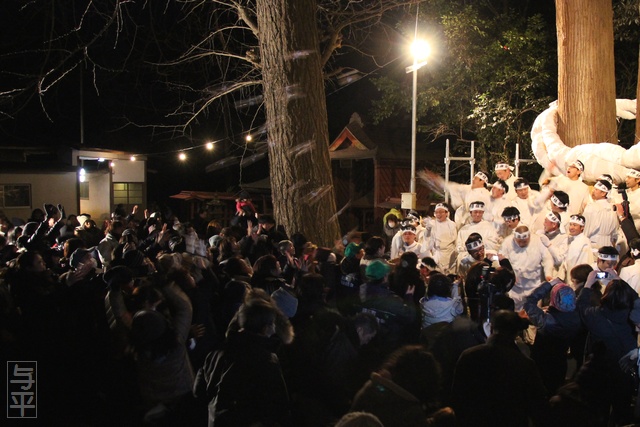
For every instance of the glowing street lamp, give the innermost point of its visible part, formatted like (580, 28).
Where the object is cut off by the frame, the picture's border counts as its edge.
(420, 50)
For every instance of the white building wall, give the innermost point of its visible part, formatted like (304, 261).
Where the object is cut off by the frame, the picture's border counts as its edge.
(54, 188)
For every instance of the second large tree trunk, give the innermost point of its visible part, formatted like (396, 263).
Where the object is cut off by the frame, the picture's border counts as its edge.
(586, 76)
(300, 167)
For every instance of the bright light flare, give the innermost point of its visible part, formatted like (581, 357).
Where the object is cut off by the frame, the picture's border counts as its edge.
(182, 157)
(249, 138)
(209, 145)
(420, 49)
(132, 158)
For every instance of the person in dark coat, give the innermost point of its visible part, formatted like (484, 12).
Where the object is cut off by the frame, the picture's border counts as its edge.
(243, 381)
(394, 313)
(495, 384)
(405, 391)
(609, 325)
(557, 327)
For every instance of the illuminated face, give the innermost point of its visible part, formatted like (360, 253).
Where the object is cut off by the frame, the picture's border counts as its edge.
(408, 237)
(496, 192)
(503, 174)
(478, 254)
(477, 182)
(632, 183)
(523, 193)
(523, 243)
(573, 172)
(575, 229)
(441, 215)
(476, 215)
(550, 226)
(603, 265)
(598, 194)
(512, 223)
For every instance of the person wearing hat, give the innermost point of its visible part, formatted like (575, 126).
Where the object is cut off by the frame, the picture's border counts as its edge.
(440, 239)
(557, 326)
(554, 240)
(348, 289)
(578, 245)
(495, 384)
(631, 273)
(572, 184)
(504, 173)
(526, 201)
(530, 260)
(602, 226)
(477, 225)
(394, 313)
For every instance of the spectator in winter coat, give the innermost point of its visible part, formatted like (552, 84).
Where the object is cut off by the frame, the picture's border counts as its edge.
(442, 303)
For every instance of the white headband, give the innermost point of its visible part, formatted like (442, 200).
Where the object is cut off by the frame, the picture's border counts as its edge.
(523, 235)
(634, 174)
(503, 167)
(576, 220)
(510, 217)
(608, 257)
(557, 202)
(482, 176)
(441, 206)
(476, 207)
(476, 244)
(521, 185)
(551, 217)
(600, 186)
(500, 185)
(578, 165)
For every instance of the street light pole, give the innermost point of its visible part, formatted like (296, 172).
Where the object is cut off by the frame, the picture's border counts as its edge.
(420, 51)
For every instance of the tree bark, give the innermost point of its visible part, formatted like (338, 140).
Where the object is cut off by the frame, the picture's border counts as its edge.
(300, 167)
(586, 75)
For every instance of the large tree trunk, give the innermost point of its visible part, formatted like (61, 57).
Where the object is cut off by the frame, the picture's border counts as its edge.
(300, 167)
(586, 77)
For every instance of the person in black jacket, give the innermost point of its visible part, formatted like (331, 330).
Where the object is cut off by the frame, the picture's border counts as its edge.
(243, 381)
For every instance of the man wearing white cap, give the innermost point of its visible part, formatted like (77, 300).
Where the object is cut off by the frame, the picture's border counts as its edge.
(632, 182)
(571, 184)
(531, 261)
(554, 240)
(579, 246)
(602, 224)
(440, 239)
(480, 226)
(504, 172)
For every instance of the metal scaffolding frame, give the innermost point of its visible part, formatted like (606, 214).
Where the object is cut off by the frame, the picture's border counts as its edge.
(447, 160)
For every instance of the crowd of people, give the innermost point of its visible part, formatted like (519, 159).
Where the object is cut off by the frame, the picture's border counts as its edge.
(506, 306)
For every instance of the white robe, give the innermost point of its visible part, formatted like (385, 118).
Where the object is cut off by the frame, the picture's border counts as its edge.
(462, 195)
(578, 193)
(631, 275)
(601, 223)
(531, 265)
(578, 252)
(440, 242)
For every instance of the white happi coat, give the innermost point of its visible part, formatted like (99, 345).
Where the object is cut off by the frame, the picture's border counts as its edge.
(440, 242)
(531, 265)
(601, 223)
(631, 275)
(578, 193)
(579, 251)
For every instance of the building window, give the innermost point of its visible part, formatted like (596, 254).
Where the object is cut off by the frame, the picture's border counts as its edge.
(15, 195)
(84, 190)
(127, 193)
